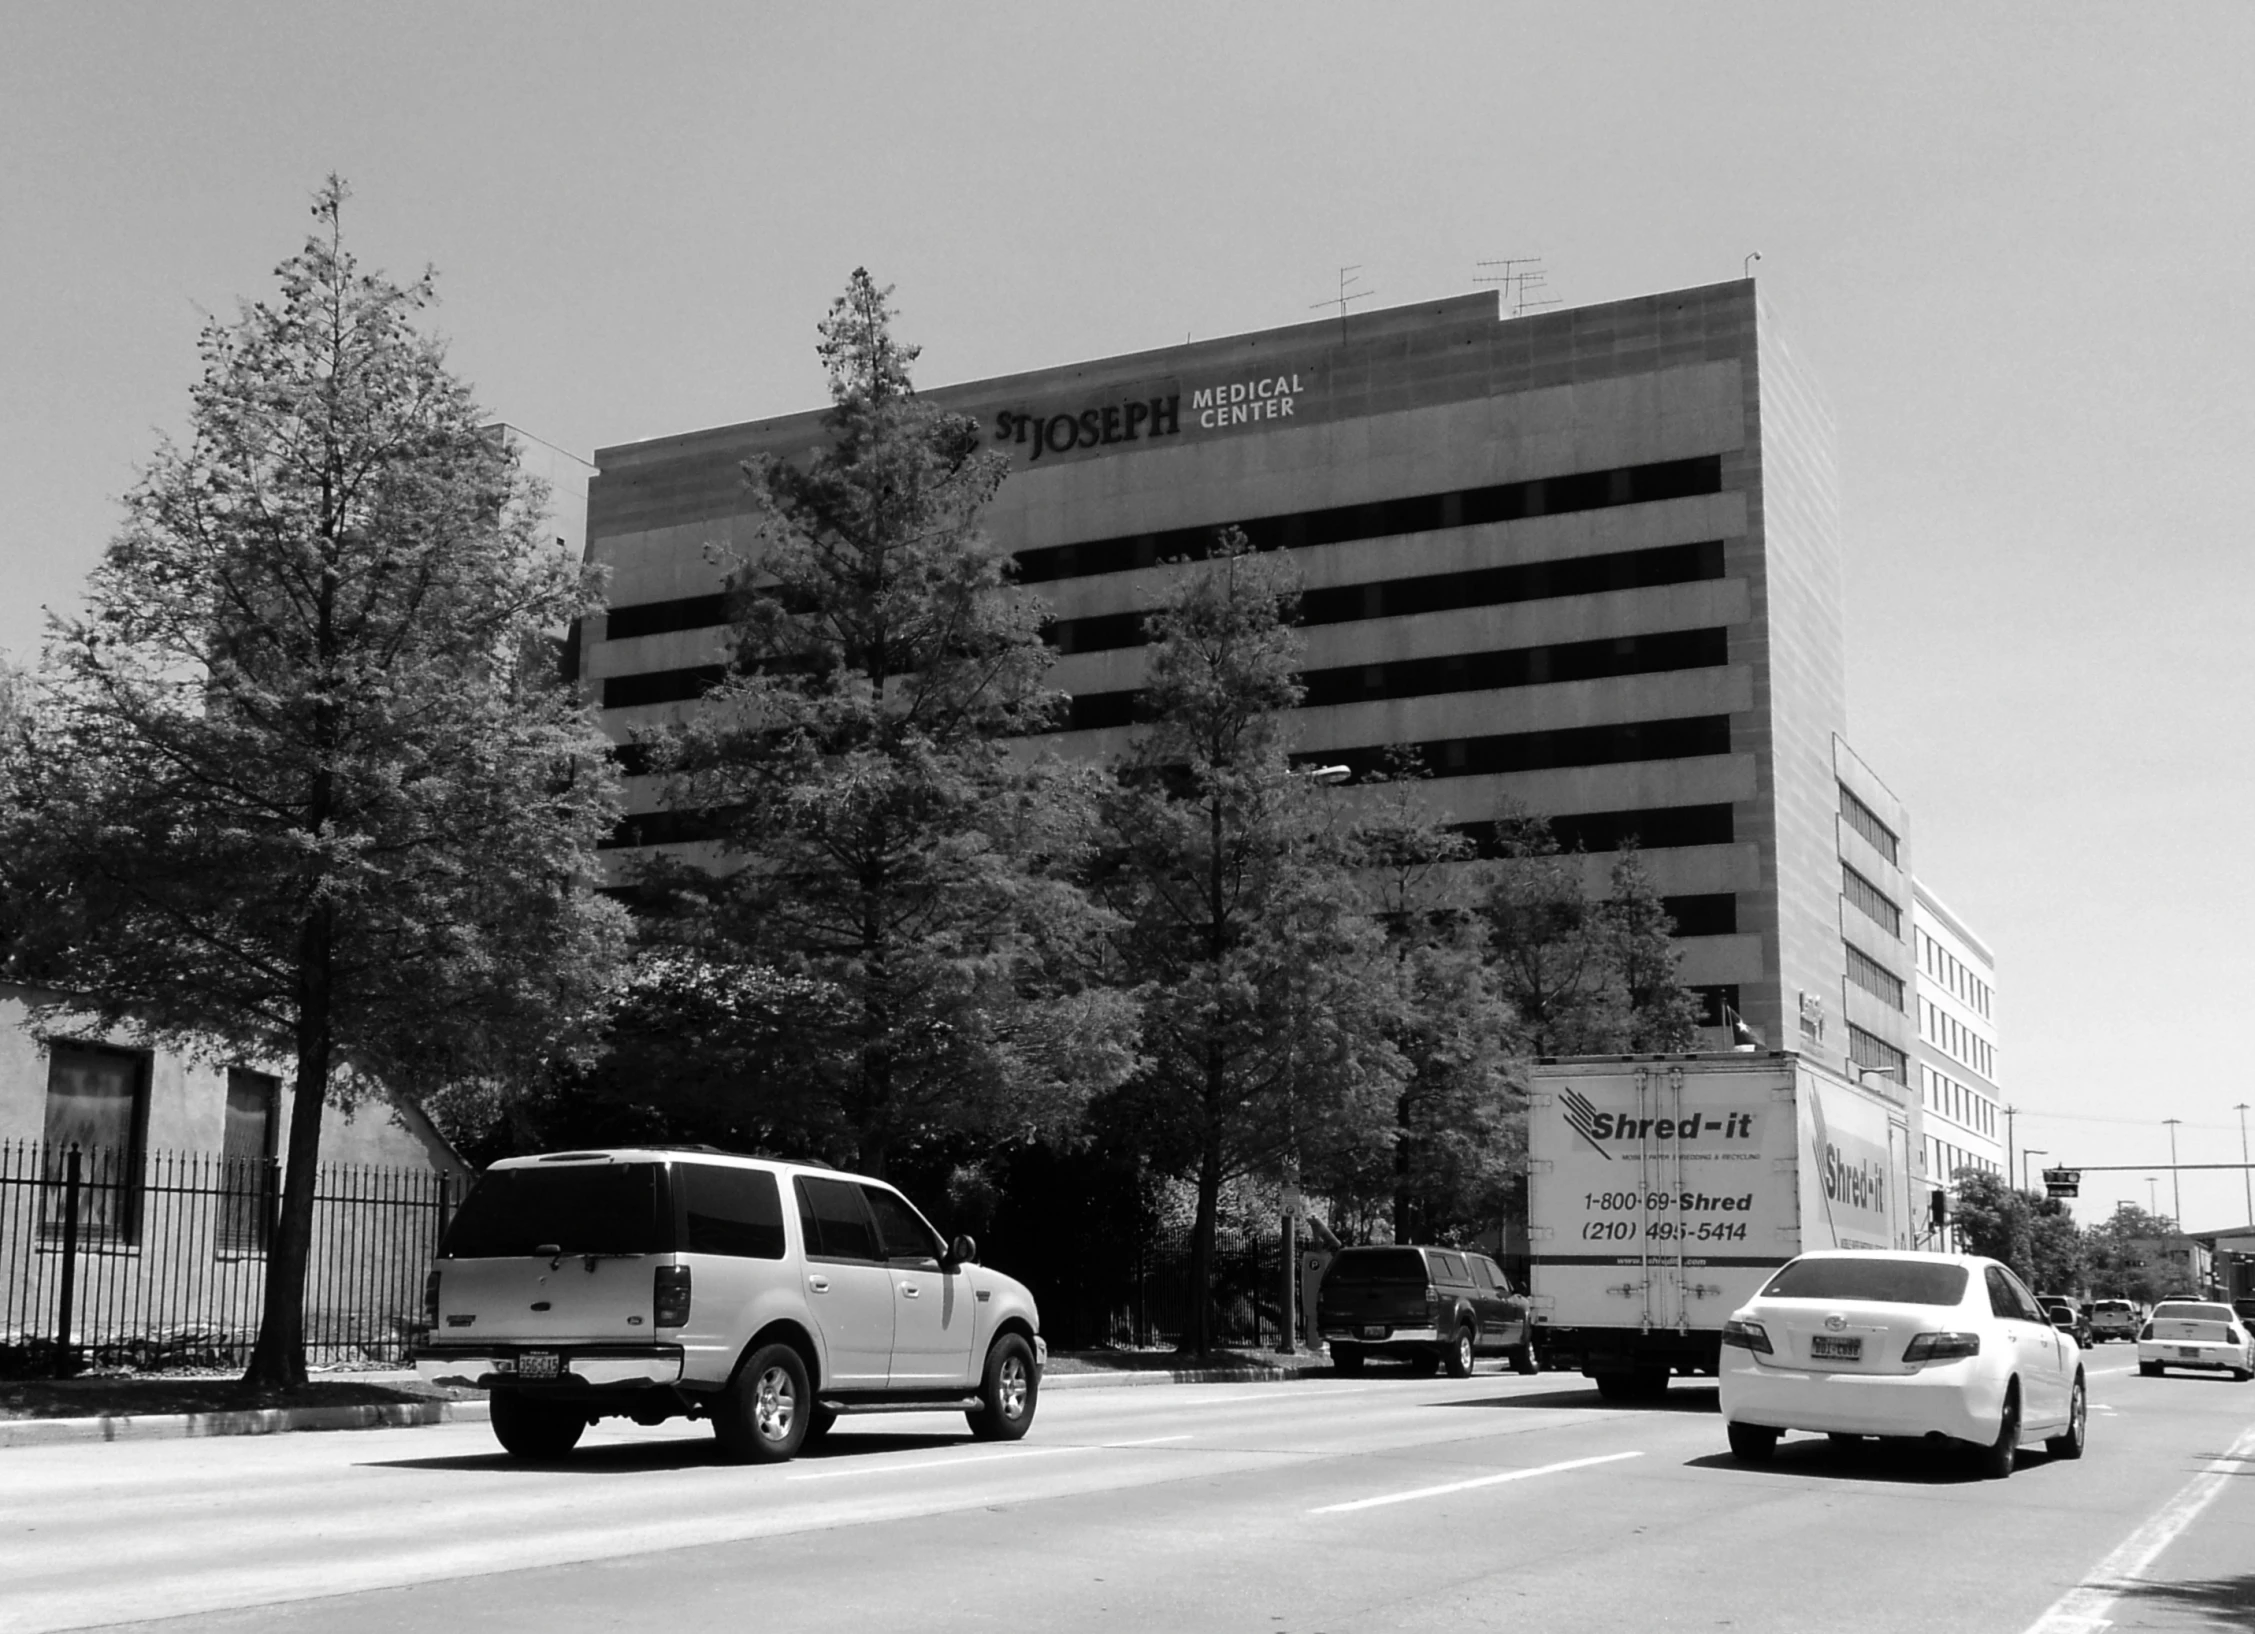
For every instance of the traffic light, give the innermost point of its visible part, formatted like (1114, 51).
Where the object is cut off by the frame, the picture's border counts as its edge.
(1938, 1208)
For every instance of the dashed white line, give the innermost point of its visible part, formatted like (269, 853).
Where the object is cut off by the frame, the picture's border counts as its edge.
(877, 1466)
(1467, 1486)
(2083, 1608)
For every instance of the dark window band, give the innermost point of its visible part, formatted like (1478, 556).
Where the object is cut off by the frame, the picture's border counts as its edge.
(1656, 828)
(665, 617)
(1421, 513)
(661, 686)
(1443, 592)
(1678, 739)
(1463, 672)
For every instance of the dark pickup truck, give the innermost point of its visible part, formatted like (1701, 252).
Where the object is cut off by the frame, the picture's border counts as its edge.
(1423, 1306)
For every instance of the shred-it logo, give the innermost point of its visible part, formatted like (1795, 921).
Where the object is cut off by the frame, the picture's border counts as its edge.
(1628, 1128)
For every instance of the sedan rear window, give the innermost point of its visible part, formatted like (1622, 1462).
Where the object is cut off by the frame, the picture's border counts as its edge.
(1874, 1281)
(2181, 1310)
(1377, 1265)
(599, 1208)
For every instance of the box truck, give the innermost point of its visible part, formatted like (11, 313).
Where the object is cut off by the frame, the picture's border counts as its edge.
(1662, 1191)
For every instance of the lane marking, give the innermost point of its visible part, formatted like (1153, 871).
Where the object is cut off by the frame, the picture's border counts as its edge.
(2083, 1608)
(1467, 1486)
(964, 1460)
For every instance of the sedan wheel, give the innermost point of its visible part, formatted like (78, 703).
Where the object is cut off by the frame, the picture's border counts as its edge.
(1752, 1443)
(1996, 1459)
(2070, 1445)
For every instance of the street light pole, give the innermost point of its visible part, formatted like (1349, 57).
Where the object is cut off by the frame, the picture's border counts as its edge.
(2176, 1181)
(2246, 1175)
(2152, 1203)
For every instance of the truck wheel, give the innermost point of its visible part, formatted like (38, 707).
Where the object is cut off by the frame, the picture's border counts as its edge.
(1523, 1360)
(1008, 1392)
(1651, 1383)
(1422, 1367)
(1995, 1461)
(528, 1427)
(1346, 1359)
(1616, 1386)
(762, 1417)
(1752, 1443)
(1460, 1356)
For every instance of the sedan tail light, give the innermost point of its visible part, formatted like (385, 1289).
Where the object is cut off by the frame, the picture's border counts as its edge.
(669, 1297)
(1747, 1336)
(2146, 1332)
(1942, 1347)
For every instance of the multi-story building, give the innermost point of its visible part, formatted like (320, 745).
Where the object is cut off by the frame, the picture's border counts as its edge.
(1954, 997)
(1586, 560)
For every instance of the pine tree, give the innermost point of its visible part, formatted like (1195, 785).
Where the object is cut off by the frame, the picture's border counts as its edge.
(1260, 967)
(309, 784)
(881, 843)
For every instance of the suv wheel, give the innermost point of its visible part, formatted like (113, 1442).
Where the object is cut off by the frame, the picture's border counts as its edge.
(819, 1419)
(1008, 1392)
(1346, 1359)
(528, 1427)
(763, 1416)
(1460, 1355)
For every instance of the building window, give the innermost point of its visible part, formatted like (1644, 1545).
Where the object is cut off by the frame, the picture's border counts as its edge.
(98, 1103)
(1870, 1050)
(1874, 978)
(247, 1147)
(1866, 822)
(1875, 905)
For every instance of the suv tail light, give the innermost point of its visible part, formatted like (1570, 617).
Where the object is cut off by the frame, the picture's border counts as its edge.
(430, 1300)
(669, 1297)
(1747, 1336)
(1942, 1347)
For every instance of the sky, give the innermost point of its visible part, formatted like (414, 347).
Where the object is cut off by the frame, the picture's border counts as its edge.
(2010, 240)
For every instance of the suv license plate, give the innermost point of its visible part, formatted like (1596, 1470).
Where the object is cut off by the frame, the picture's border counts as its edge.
(1374, 1333)
(536, 1364)
(1835, 1350)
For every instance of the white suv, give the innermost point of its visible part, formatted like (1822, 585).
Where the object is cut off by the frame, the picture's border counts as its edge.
(665, 1282)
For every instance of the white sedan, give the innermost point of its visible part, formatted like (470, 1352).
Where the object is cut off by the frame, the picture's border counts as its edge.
(1950, 1348)
(2195, 1333)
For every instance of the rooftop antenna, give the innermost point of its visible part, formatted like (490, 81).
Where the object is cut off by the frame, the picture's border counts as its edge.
(1347, 275)
(1520, 274)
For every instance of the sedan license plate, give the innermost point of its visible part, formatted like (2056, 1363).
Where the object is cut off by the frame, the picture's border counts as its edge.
(2188, 1351)
(1374, 1333)
(536, 1364)
(1823, 1349)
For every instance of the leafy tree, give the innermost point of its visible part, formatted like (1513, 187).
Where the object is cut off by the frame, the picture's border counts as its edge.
(1260, 968)
(2056, 1251)
(310, 785)
(1994, 1220)
(1459, 1114)
(2126, 1259)
(881, 844)
(1587, 976)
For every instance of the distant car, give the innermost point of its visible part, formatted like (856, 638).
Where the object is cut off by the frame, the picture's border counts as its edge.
(2244, 1309)
(1951, 1348)
(1423, 1306)
(2194, 1333)
(2068, 1317)
(2113, 1319)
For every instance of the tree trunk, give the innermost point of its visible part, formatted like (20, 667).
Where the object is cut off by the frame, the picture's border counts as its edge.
(279, 1359)
(1198, 1339)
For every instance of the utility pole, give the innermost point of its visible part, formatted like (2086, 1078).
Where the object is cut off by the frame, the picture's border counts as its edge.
(2246, 1176)
(2176, 1181)
(2010, 1168)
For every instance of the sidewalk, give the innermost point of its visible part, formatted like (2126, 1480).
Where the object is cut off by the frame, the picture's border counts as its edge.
(399, 1400)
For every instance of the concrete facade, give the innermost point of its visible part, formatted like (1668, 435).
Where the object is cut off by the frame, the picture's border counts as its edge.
(1954, 1000)
(1589, 560)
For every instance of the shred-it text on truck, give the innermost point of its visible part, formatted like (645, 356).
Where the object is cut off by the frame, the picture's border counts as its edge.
(1663, 1191)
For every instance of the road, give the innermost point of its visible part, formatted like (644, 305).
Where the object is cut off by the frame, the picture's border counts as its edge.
(1378, 1503)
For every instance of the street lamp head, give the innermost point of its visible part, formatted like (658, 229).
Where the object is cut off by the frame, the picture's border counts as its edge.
(1328, 774)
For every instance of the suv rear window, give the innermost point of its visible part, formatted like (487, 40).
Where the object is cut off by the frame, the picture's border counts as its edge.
(1873, 1281)
(1377, 1265)
(597, 1208)
(2114, 1307)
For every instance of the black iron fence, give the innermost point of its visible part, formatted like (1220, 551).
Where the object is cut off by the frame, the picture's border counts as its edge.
(111, 1257)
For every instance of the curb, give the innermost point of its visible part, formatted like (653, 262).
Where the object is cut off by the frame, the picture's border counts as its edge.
(52, 1432)
(399, 1415)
